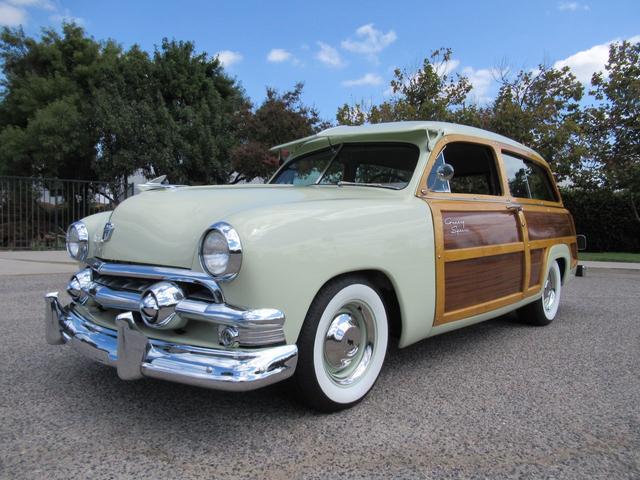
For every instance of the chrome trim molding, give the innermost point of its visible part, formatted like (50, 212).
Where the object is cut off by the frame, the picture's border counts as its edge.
(256, 327)
(262, 326)
(151, 272)
(135, 356)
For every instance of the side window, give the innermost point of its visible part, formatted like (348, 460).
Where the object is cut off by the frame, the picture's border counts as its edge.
(474, 167)
(527, 179)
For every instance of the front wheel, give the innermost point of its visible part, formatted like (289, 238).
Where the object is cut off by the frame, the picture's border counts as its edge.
(544, 310)
(342, 345)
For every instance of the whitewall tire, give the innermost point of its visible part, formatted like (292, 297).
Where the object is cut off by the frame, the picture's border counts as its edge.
(342, 345)
(544, 310)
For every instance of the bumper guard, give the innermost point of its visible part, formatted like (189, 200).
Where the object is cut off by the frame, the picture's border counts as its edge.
(135, 356)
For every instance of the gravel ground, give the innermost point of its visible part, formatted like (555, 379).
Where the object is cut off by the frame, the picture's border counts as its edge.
(496, 400)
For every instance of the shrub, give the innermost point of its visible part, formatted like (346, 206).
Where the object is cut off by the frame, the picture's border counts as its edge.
(606, 218)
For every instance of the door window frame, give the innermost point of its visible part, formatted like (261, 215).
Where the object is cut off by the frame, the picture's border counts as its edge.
(542, 165)
(494, 147)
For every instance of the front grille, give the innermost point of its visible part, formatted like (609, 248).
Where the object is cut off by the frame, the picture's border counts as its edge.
(192, 291)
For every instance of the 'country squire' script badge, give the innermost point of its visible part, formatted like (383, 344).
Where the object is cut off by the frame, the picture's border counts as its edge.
(455, 226)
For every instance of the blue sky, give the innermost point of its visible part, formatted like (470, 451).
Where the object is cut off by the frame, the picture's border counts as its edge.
(346, 50)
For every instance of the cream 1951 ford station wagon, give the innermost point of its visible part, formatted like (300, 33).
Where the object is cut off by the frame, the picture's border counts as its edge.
(365, 234)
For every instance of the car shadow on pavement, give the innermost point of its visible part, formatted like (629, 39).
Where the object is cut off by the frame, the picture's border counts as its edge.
(150, 401)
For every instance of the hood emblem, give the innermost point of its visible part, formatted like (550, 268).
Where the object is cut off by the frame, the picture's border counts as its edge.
(108, 231)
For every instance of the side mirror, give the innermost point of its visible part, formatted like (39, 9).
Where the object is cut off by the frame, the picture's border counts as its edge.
(445, 172)
(582, 242)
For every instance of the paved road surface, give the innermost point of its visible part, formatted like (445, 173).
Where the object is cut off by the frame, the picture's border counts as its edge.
(492, 401)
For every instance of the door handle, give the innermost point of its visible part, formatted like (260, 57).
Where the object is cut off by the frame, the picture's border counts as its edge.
(515, 207)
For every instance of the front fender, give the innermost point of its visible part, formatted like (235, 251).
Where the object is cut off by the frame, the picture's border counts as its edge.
(95, 226)
(291, 250)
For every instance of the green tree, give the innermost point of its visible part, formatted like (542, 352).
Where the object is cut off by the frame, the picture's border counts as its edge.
(541, 109)
(72, 107)
(428, 93)
(612, 126)
(46, 124)
(200, 112)
(279, 119)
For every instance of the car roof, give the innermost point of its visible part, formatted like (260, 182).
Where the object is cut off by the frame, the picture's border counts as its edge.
(346, 131)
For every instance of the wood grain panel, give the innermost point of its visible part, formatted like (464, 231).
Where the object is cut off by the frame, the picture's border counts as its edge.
(476, 229)
(536, 266)
(479, 280)
(543, 225)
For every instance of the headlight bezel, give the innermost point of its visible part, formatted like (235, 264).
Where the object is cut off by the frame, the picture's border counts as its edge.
(234, 251)
(82, 240)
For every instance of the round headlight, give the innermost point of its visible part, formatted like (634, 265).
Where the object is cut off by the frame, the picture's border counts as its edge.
(221, 251)
(78, 241)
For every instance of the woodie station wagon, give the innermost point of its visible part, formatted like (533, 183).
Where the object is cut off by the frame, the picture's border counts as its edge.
(364, 235)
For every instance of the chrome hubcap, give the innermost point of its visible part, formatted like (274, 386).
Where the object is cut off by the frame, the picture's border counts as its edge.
(348, 343)
(549, 295)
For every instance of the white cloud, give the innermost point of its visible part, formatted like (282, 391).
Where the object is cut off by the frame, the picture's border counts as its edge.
(449, 67)
(278, 55)
(586, 62)
(572, 6)
(329, 55)
(481, 80)
(66, 18)
(15, 12)
(44, 4)
(228, 57)
(367, 79)
(11, 16)
(370, 41)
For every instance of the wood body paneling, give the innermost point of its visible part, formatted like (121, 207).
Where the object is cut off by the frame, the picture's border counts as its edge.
(545, 225)
(480, 280)
(536, 266)
(491, 251)
(466, 229)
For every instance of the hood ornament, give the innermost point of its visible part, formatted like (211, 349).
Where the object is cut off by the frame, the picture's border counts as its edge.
(158, 183)
(108, 231)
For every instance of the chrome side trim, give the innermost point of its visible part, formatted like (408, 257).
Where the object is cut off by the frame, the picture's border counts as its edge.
(134, 355)
(157, 273)
(262, 326)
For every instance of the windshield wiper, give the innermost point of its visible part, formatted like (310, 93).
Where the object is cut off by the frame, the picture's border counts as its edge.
(358, 184)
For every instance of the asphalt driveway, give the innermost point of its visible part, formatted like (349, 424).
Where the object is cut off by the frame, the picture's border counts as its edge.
(496, 400)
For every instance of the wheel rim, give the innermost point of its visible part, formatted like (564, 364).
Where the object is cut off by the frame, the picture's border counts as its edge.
(349, 342)
(550, 292)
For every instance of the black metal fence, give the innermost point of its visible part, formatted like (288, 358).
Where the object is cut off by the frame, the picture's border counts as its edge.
(35, 212)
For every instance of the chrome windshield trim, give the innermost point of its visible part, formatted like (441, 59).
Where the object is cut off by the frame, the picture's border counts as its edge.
(153, 272)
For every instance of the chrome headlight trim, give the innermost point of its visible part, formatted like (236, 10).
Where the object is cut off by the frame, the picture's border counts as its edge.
(234, 251)
(77, 233)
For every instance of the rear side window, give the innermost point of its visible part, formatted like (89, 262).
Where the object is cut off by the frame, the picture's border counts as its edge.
(527, 179)
(474, 166)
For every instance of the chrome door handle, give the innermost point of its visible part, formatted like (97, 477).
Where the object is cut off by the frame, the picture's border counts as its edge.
(516, 207)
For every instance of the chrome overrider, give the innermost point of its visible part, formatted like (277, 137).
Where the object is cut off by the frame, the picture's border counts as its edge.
(135, 355)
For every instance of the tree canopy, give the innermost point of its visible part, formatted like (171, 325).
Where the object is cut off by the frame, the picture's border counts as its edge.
(75, 107)
(72, 107)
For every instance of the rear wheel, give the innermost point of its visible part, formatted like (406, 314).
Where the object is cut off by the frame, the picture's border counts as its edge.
(342, 345)
(544, 310)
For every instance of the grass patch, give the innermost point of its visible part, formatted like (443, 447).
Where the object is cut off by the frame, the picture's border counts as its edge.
(609, 257)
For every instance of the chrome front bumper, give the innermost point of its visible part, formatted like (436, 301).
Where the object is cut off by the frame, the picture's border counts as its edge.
(136, 356)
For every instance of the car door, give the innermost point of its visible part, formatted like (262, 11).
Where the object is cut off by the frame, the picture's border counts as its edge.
(480, 235)
(530, 184)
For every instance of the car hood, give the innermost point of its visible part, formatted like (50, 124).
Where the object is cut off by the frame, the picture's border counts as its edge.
(164, 227)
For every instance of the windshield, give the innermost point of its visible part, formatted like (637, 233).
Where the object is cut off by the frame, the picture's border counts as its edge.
(389, 165)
